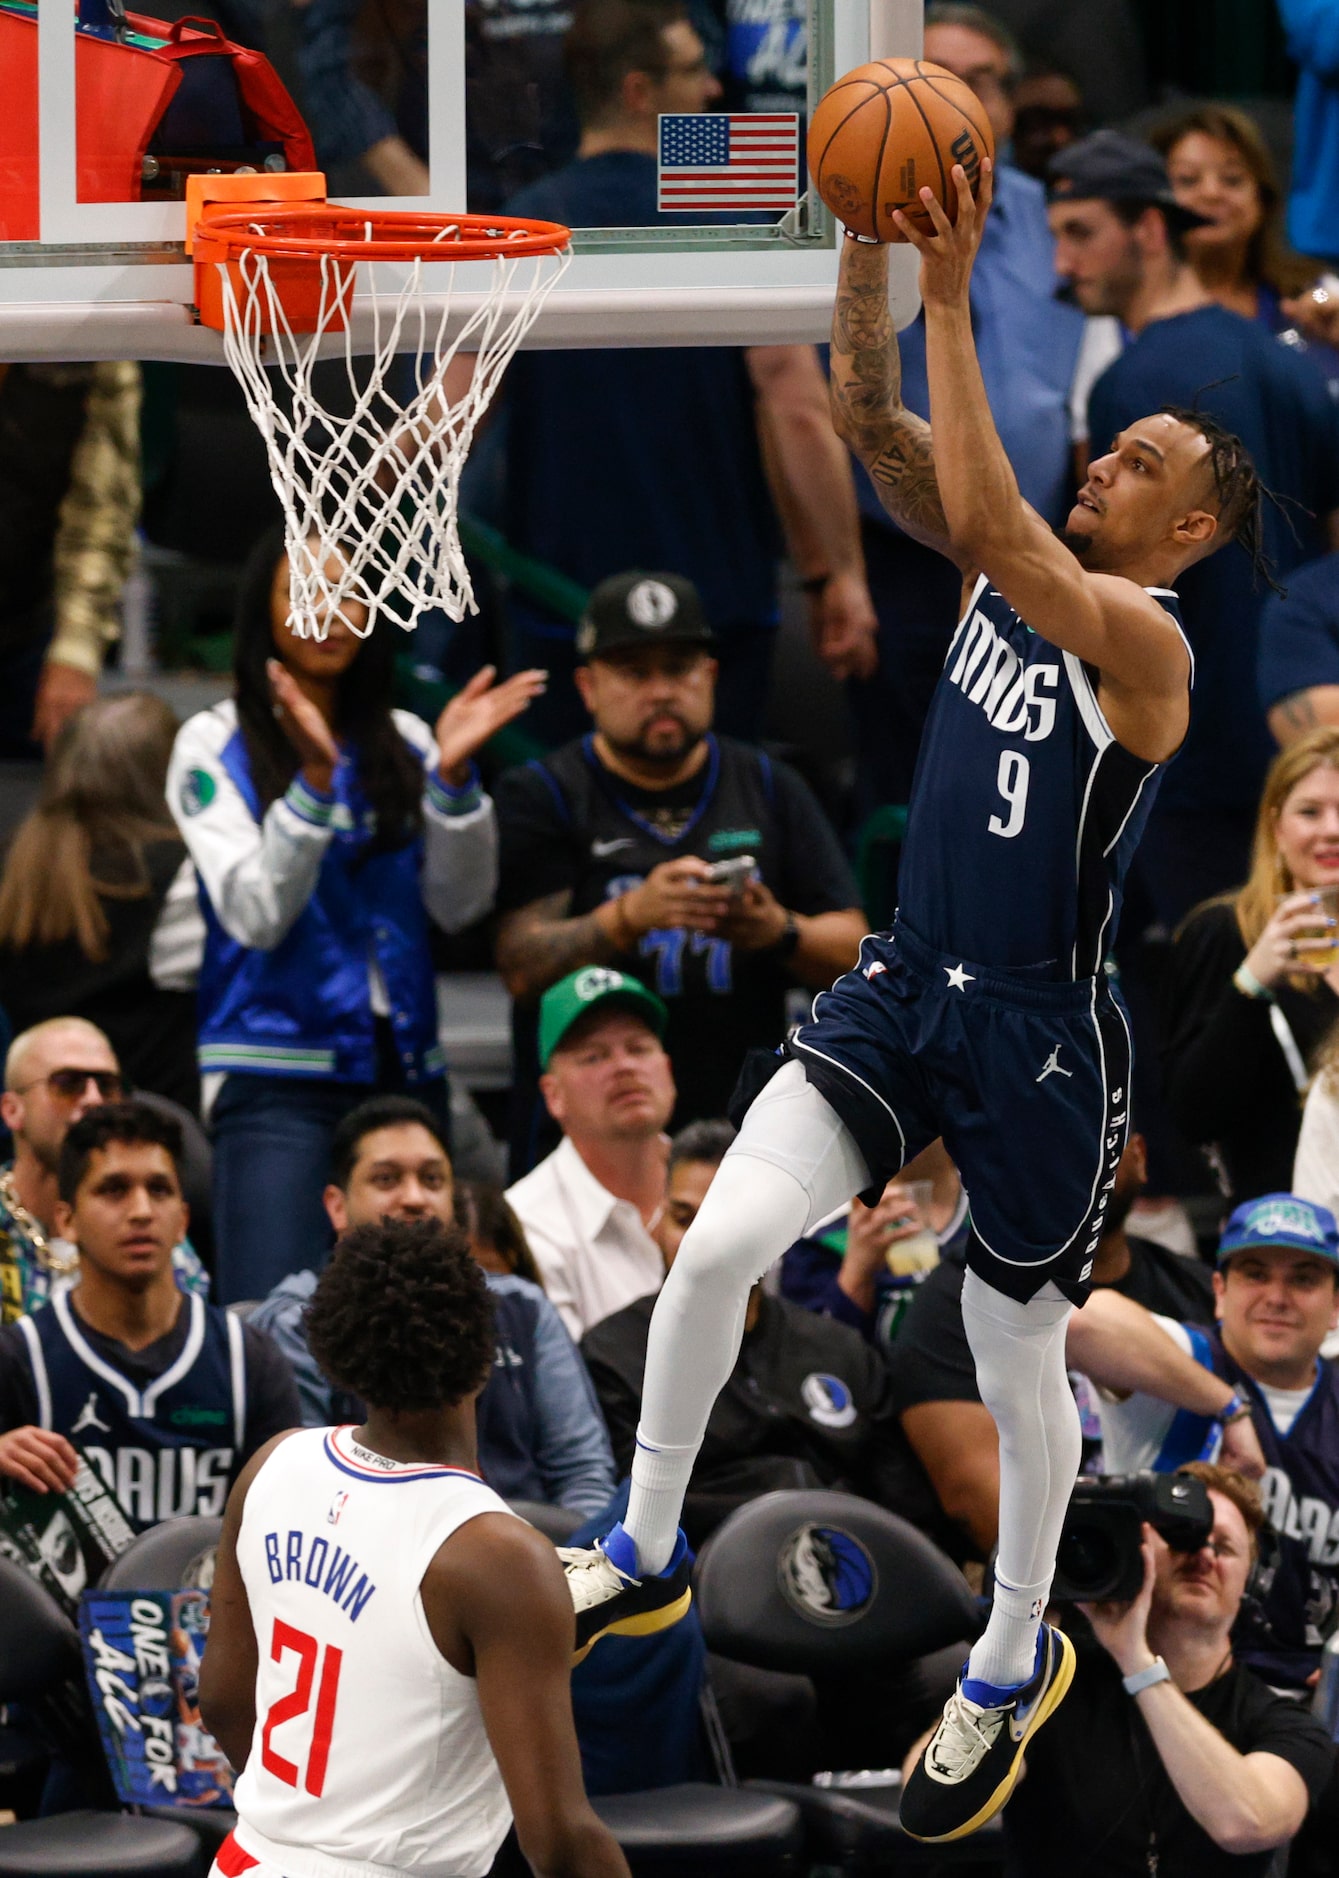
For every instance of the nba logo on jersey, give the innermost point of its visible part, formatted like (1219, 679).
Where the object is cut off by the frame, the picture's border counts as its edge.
(337, 1506)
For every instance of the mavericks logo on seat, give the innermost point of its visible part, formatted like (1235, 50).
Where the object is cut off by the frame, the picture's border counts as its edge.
(826, 1575)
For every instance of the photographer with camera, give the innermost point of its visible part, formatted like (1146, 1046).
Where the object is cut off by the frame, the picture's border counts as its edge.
(1175, 1759)
(1276, 1292)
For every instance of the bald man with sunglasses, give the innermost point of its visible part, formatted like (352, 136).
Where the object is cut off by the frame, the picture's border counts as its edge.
(54, 1074)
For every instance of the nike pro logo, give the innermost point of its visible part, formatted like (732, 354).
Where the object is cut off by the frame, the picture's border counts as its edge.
(600, 848)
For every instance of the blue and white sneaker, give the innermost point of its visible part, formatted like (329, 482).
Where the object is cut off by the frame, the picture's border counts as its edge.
(609, 1598)
(972, 1762)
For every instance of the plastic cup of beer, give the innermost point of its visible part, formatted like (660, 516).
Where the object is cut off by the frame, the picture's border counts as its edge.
(1319, 945)
(919, 1250)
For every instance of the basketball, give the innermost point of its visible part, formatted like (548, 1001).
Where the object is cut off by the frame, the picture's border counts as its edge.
(886, 131)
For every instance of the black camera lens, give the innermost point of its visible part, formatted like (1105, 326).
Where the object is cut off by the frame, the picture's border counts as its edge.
(1088, 1556)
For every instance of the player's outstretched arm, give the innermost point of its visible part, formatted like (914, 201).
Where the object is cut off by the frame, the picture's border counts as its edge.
(231, 1659)
(498, 1607)
(865, 388)
(1108, 622)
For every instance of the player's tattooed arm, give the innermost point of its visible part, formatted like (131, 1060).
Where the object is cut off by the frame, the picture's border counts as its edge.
(866, 393)
(538, 944)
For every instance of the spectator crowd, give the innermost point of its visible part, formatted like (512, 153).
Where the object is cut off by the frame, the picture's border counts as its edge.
(225, 942)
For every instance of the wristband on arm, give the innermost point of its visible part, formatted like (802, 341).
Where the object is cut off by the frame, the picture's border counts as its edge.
(1249, 985)
(1142, 1679)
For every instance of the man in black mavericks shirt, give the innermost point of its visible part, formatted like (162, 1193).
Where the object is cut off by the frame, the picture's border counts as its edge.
(165, 1396)
(607, 847)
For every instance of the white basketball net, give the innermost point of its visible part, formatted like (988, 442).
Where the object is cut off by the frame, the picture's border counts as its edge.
(370, 492)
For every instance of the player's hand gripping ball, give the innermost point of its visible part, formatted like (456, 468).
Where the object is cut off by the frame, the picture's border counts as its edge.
(888, 130)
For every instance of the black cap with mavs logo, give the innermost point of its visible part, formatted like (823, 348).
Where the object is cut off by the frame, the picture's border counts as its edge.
(639, 609)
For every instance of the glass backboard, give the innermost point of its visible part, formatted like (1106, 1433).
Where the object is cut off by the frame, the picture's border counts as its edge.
(439, 104)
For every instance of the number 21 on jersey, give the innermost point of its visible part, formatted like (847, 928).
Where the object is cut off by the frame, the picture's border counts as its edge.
(1012, 782)
(297, 1702)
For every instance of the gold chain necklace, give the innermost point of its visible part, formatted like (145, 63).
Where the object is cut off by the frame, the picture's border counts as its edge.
(59, 1266)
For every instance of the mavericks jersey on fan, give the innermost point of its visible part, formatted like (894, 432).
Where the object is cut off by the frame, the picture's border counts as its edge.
(1025, 810)
(171, 1447)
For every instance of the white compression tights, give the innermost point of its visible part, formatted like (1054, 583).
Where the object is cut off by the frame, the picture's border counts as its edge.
(793, 1163)
(1019, 1351)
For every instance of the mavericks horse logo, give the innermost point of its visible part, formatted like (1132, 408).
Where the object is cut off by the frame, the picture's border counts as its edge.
(826, 1575)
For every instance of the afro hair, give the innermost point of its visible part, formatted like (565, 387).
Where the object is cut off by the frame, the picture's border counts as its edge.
(402, 1316)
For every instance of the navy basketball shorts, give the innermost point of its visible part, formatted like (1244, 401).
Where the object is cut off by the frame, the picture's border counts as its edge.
(1027, 1081)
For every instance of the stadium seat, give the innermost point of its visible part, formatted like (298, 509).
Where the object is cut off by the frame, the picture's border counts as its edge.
(729, 1832)
(819, 1583)
(161, 1558)
(99, 1845)
(39, 1646)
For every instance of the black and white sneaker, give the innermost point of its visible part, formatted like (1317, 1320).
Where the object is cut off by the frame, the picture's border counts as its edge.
(608, 1597)
(972, 1762)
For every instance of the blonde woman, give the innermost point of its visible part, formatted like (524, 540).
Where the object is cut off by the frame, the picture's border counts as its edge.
(1247, 999)
(98, 913)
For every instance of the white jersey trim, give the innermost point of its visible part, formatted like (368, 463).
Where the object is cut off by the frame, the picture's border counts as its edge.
(851, 1076)
(1170, 593)
(140, 1406)
(1094, 720)
(237, 1370)
(41, 1380)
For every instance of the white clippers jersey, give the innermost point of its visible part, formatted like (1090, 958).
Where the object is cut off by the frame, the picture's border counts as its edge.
(369, 1757)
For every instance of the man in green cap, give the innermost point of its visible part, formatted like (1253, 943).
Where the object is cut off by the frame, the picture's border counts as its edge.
(590, 1209)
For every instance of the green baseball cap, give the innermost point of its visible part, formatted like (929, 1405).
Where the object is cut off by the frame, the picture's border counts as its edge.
(594, 985)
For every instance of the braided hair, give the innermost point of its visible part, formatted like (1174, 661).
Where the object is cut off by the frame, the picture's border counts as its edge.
(1241, 494)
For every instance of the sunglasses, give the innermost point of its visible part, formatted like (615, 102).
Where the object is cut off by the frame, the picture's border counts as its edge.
(67, 1085)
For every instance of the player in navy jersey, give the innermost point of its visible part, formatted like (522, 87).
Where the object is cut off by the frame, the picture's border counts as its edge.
(985, 1016)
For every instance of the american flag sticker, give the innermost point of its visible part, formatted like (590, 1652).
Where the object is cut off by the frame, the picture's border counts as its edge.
(718, 160)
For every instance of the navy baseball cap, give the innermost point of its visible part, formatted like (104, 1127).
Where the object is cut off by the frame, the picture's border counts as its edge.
(1108, 166)
(1281, 1222)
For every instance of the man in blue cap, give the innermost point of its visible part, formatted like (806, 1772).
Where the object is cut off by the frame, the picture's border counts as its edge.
(1276, 1293)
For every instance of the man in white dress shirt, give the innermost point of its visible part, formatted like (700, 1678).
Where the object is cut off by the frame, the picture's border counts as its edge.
(590, 1209)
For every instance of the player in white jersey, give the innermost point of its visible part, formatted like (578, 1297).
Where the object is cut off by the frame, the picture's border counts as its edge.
(390, 1647)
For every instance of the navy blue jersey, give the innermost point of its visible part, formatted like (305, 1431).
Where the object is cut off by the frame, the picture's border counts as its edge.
(1300, 1492)
(1025, 810)
(171, 1447)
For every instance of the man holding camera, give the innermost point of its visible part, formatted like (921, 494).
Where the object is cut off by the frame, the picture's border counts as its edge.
(1276, 1292)
(1175, 1759)
(695, 862)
